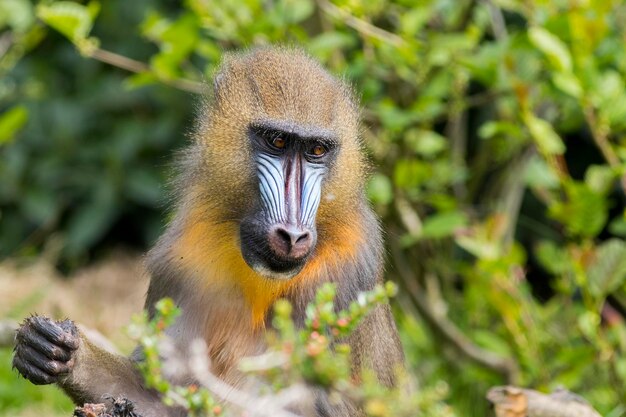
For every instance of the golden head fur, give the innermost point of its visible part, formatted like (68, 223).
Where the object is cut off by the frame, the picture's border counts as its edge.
(278, 84)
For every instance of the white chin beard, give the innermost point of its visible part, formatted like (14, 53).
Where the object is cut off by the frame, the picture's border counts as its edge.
(266, 272)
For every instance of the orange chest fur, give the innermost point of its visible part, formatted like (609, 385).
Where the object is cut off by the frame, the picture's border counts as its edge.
(210, 253)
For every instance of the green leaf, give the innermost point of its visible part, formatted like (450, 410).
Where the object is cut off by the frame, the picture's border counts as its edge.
(177, 41)
(480, 248)
(556, 51)
(620, 368)
(426, 142)
(552, 257)
(411, 173)
(584, 211)
(144, 187)
(539, 175)
(393, 117)
(547, 140)
(154, 25)
(443, 224)
(71, 19)
(40, 204)
(618, 226)
(600, 178)
(484, 62)
(326, 43)
(572, 363)
(588, 323)
(11, 122)
(446, 46)
(139, 80)
(610, 97)
(608, 270)
(568, 83)
(379, 189)
(295, 11)
(491, 341)
(91, 220)
(412, 21)
(500, 127)
(17, 14)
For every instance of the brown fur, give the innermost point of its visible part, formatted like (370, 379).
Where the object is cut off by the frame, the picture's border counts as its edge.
(198, 261)
(201, 245)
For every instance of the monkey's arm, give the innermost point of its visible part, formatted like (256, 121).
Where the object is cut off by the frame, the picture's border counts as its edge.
(56, 352)
(375, 345)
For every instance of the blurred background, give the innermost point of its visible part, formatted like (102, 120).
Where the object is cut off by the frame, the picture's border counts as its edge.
(497, 131)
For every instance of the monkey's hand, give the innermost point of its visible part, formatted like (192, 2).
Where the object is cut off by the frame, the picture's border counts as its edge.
(44, 349)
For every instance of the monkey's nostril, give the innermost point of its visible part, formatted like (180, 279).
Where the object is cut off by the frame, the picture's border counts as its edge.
(290, 241)
(285, 236)
(303, 237)
(292, 236)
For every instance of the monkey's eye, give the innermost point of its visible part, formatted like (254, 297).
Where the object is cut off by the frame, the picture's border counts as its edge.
(317, 150)
(279, 142)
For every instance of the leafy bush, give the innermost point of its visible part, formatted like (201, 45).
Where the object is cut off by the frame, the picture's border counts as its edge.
(89, 165)
(497, 129)
(296, 361)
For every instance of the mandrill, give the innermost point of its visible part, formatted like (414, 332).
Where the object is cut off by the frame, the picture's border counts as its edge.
(270, 204)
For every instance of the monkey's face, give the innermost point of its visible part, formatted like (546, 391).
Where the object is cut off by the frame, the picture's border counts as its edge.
(291, 162)
(283, 158)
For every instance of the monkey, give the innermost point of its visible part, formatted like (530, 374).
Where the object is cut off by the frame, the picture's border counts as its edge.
(270, 203)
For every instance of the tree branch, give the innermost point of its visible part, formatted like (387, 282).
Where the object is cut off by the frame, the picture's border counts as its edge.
(447, 329)
(138, 67)
(498, 25)
(600, 137)
(520, 402)
(271, 405)
(360, 25)
(6, 40)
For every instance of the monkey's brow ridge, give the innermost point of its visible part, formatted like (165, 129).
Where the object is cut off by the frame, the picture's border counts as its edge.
(291, 128)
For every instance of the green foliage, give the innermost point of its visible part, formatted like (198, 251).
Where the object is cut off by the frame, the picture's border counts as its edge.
(607, 272)
(314, 355)
(11, 122)
(317, 354)
(496, 129)
(99, 149)
(150, 335)
(71, 19)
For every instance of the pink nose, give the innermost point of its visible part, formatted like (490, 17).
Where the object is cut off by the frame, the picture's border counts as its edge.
(290, 241)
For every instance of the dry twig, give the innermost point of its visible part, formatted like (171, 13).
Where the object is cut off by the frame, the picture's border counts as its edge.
(600, 138)
(6, 40)
(271, 405)
(360, 25)
(509, 401)
(446, 328)
(137, 67)
(498, 24)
